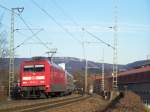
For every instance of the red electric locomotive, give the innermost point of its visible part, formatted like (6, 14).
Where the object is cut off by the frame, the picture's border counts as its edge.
(40, 76)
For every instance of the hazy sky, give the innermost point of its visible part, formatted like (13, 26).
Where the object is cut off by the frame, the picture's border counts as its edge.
(94, 15)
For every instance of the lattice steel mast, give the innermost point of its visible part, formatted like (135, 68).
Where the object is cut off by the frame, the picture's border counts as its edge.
(103, 73)
(11, 51)
(115, 54)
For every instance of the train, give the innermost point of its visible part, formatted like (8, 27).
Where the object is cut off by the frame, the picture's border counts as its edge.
(41, 77)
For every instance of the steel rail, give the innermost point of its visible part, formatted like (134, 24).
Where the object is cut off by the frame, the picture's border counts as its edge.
(48, 106)
(19, 108)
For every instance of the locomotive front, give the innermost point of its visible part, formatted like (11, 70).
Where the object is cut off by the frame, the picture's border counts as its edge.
(34, 77)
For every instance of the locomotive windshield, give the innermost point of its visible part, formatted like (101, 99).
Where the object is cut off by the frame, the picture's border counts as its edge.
(39, 68)
(36, 68)
(28, 68)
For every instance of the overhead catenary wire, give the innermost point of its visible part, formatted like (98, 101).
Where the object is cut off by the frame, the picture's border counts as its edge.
(32, 38)
(55, 21)
(26, 24)
(24, 34)
(75, 23)
(27, 39)
(33, 32)
(81, 43)
(83, 29)
(65, 13)
(91, 34)
(97, 38)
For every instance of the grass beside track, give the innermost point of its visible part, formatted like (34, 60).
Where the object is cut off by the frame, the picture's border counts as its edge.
(129, 102)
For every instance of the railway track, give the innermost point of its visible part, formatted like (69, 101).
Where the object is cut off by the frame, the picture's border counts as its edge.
(44, 105)
(30, 101)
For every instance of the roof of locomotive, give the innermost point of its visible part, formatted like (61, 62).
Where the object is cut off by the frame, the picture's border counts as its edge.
(50, 62)
(44, 59)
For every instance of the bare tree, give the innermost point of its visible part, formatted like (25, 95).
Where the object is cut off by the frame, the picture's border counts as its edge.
(3, 39)
(3, 45)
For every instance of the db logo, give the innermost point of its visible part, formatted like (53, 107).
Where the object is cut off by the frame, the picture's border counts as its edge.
(33, 78)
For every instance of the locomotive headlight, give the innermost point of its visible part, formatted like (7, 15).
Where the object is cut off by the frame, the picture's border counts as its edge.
(26, 78)
(40, 77)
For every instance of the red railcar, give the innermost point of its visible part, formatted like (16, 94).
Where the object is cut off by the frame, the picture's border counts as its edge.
(136, 80)
(39, 76)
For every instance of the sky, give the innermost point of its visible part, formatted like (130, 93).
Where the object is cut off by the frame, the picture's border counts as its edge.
(63, 23)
